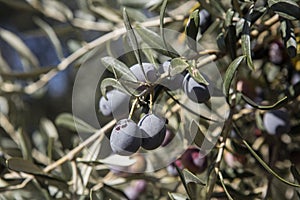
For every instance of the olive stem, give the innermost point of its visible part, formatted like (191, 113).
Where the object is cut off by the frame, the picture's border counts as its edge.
(133, 107)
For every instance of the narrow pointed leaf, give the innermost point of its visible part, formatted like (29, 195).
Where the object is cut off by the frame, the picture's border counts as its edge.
(288, 36)
(230, 73)
(276, 105)
(116, 66)
(192, 29)
(73, 123)
(21, 165)
(155, 41)
(195, 73)
(177, 66)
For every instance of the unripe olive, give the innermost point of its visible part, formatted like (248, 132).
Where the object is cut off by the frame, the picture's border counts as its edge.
(153, 129)
(276, 122)
(125, 138)
(197, 92)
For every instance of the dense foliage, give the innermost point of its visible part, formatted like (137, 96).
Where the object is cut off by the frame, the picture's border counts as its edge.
(149, 99)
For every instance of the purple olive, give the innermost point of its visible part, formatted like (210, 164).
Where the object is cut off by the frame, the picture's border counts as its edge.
(194, 160)
(153, 129)
(125, 138)
(276, 122)
(197, 92)
(117, 104)
(150, 72)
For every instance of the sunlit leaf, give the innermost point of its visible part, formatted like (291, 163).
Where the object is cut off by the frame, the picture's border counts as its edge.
(116, 66)
(195, 73)
(177, 66)
(155, 41)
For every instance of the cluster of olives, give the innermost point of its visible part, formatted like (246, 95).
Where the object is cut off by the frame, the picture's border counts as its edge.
(149, 133)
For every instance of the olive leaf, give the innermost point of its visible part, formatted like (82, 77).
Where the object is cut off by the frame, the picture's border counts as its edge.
(288, 36)
(230, 72)
(155, 41)
(195, 73)
(246, 43)
(118, 68)
(192, 29)
(287, 9)
(73, 123)
(177, 66)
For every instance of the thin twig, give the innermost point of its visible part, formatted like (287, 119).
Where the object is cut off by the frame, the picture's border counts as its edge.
(70, 156)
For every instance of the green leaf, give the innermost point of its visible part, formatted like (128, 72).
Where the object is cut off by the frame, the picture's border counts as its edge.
(177, 66)
(288, 36)
(177, 196)
(119, 68)
(161, 25)
(189, 177)
(246, 43)
(287, 9)
(132, 39)
(192, 29)
(73, 123)
(276, 105)
(21, 165)
(195, 73)
(125, 86)
(155, 41)
(230, 73)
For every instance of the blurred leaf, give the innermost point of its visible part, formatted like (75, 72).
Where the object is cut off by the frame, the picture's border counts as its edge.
(230, 72)
(118, 68)
(230, 41)
(140, 3)
(276, 105)
(228, 18)
(192, 29)
(49, 128)
(25, 145)
(177, 66)
(288, 36)
(177, 196)
(75, 124)
(34, 73)
(257, 13)
(136, 14)
(14, 41)
(53, 9)
(118, 160)
(295, 173)
(85, 170)
(21, 165)
(155, 42)
(104, 11)
(221, 42)
(288, 9)
(195, 73)
(52, 36)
